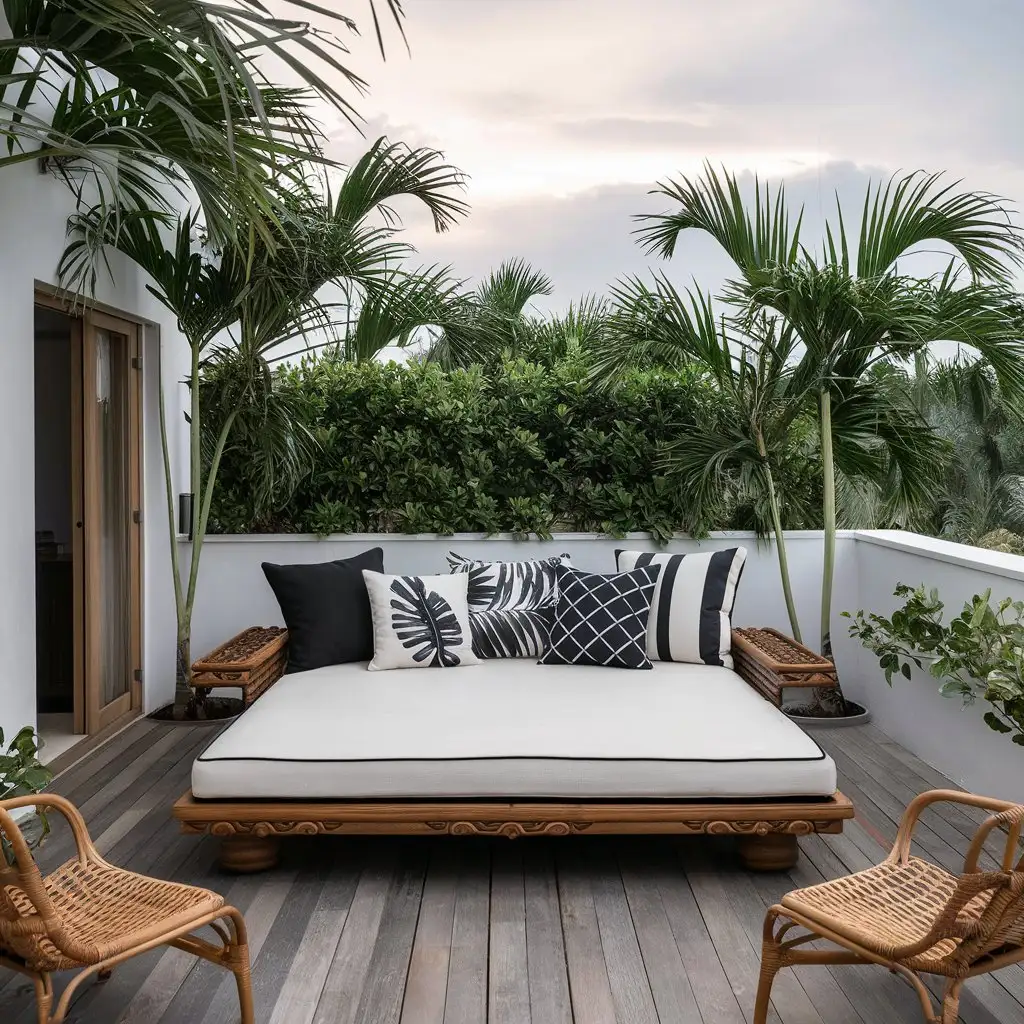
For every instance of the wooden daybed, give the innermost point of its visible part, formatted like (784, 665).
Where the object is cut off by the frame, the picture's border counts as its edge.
(509, 748)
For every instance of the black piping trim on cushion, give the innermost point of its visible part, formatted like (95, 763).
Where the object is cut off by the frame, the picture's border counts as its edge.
(524, 757)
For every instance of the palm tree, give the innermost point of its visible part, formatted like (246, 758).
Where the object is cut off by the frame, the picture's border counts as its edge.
(848, 314)
(980, 496)
(737, 456)
(493, 321)
(265, 297)
(158, 100)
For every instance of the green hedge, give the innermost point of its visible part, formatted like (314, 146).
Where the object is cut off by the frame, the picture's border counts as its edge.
(527, 449)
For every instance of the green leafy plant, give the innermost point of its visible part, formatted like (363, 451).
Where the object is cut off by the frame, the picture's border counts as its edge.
(522, 449)
(979, 653)
(22, 773)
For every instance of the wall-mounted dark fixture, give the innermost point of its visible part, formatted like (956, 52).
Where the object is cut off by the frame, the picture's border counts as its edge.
(185, 503)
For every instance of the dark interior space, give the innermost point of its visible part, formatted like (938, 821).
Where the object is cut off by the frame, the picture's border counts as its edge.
(53, 503)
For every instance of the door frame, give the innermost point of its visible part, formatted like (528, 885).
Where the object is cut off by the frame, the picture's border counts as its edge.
(98, 715)
(97, 727)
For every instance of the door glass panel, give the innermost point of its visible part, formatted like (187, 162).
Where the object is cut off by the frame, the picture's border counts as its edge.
(113, 419)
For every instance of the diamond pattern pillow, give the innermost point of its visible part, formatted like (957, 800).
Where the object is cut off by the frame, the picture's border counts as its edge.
(602, 620)
(510, 604)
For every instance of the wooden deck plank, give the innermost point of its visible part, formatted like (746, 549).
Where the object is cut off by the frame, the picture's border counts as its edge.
(426, 986)
(712, 990)
(508, 989)
(667, 974)
(465, 931)
(381, 1001)
(343, 985)
(297, 999)
(589, 985)
(466, 1000)
(627, 972)
(548, 977)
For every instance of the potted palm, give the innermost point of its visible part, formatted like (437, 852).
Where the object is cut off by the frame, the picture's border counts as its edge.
(240, 306)
(844, 315)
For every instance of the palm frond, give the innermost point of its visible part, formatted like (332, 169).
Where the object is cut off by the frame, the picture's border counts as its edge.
(714, 203)
(917, 209)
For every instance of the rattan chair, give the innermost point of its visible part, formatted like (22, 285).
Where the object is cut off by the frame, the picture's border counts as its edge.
(910, 915)
(90, 916)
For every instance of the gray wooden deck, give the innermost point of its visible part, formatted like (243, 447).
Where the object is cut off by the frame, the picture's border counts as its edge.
(463, 931)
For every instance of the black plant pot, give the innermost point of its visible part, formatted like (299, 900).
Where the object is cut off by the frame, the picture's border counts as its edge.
(857, 714)
(211, 711)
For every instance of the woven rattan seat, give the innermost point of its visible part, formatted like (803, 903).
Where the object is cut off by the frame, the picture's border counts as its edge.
(107, 911)
(89, 916)
(910, 915)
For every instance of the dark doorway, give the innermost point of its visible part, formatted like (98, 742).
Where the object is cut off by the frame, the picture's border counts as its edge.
(57, 391)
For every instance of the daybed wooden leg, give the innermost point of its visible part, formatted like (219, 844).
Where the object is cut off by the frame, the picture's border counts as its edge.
(248, 854)
(774, 852)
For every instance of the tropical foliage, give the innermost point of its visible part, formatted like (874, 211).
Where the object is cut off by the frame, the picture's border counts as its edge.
(522, 448)
(239, 305)
(143, 108)
(843, 309)
(21, 774)
(977, 654)
(137, 105)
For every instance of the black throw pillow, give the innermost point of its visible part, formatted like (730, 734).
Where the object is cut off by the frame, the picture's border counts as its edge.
(602, 620)
(326, 609)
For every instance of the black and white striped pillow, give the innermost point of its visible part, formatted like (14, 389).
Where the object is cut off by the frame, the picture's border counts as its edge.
(691, 615)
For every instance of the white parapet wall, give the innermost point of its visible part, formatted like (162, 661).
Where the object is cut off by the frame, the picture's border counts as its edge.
(233, 594)
(951, 738)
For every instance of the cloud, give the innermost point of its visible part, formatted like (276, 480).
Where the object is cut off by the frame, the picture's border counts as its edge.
(565, 112)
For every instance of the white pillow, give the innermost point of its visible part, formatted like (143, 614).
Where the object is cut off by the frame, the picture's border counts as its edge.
(691, 614)
(419, 621)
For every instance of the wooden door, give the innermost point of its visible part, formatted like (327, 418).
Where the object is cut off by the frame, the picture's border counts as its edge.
(111, 519)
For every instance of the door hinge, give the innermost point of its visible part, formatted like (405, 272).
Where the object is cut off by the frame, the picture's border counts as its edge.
(137, 517)
(137, 675)
(136, 362)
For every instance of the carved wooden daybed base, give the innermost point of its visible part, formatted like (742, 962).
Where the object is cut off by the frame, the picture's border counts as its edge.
(250, 830)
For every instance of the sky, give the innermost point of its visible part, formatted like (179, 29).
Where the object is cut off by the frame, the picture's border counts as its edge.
(565, 113)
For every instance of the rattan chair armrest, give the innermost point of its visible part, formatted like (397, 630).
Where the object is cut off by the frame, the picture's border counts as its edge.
(901, 848)
(51, 801)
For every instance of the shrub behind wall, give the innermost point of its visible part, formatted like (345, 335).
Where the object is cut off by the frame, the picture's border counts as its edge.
(527, 449)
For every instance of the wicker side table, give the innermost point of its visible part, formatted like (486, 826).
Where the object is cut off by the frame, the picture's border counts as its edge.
(770, 661)
(253, 661)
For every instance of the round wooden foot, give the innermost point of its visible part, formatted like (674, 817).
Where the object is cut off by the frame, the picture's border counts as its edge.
(246, 854)
(774, 852)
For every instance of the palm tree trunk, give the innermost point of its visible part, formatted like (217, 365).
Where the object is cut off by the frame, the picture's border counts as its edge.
(828, 470)
(780, 547)
(828, 700)
(183, 673)
(182, 668)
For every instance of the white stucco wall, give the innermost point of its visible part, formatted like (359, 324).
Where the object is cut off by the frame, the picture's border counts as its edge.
(233, 593)
(34, 209)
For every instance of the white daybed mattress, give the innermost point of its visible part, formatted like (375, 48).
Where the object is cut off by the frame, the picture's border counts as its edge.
(512, 728)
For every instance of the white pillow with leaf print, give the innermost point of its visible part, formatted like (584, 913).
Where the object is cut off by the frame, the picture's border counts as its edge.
(511, 604)
(419, 621)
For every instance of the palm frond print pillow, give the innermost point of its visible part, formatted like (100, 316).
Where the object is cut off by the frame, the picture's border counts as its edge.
(511, 604)
(419, 621)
